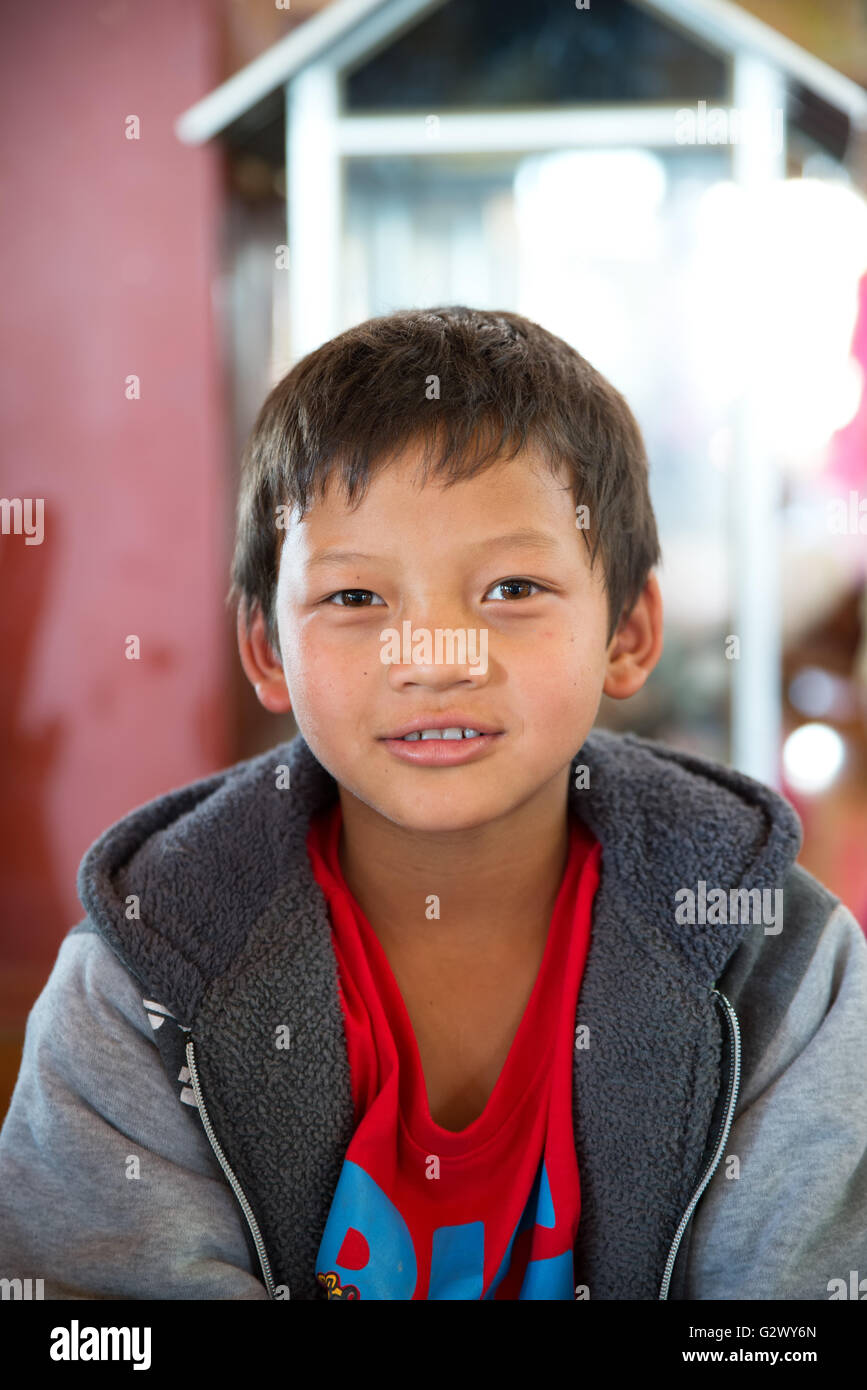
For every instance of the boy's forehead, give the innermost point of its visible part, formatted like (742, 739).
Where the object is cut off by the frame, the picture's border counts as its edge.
(403, 473)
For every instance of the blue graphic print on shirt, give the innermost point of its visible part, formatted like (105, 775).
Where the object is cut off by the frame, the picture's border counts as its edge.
(457, 1256)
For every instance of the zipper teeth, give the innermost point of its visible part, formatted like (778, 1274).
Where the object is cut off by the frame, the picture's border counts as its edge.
(734, 1082)
(224, 1164)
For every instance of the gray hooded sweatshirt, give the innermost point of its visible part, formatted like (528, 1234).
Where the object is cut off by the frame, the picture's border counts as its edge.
(160, 1146)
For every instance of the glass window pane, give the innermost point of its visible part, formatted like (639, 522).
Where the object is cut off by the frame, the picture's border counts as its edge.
(509, 53)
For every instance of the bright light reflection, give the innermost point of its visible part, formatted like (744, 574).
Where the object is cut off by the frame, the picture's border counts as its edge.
(773, 291)
(812, 757)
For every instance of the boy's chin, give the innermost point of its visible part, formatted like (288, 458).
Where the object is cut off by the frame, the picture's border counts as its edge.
(440, 810)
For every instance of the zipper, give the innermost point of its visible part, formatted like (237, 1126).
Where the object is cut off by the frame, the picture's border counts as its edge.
(733, 1085)
(224, 1164)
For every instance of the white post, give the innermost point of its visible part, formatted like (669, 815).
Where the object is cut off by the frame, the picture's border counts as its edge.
(754, 482)
(313, 207)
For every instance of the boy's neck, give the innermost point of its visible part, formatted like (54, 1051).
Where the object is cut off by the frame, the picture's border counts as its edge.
(496, 884)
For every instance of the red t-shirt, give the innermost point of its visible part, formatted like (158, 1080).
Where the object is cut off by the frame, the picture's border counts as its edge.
(420, 1212)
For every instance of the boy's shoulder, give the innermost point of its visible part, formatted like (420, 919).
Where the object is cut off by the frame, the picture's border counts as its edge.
(641, 778)
(684, 823)
(684, 809)
(176, 885)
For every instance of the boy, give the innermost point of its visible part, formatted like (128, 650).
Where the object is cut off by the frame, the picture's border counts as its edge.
(424, 1003)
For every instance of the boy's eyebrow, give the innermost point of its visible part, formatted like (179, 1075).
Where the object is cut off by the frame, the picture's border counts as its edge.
(527, 537)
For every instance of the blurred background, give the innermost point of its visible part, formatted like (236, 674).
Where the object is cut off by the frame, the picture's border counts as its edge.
(196, 195)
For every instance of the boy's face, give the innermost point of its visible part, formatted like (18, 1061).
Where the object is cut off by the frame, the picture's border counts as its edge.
(437, 560)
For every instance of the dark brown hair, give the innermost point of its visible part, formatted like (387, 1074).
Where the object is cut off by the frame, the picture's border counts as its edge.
(500, 380)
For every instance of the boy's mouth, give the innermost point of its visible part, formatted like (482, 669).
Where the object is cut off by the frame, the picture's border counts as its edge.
(453, 726)
(441, 733)
(441, 747)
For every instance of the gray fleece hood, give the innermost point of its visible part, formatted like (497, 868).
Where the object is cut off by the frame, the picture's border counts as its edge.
(207, 896)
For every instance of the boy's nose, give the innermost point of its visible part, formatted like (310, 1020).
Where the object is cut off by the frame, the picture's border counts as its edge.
(436, 655)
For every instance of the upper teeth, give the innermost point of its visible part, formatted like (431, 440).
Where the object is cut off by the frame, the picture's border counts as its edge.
(443, 733)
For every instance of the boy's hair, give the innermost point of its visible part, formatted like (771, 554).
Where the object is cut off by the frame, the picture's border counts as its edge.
(453, 378)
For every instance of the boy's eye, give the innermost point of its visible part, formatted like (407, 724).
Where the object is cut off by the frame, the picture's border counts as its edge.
(356, 594)
(518, 583)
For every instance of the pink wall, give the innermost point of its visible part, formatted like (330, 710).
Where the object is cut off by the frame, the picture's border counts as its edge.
(109, 259)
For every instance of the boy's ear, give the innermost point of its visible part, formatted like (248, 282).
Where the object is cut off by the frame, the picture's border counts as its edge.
(636, 646)
(262, 667)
